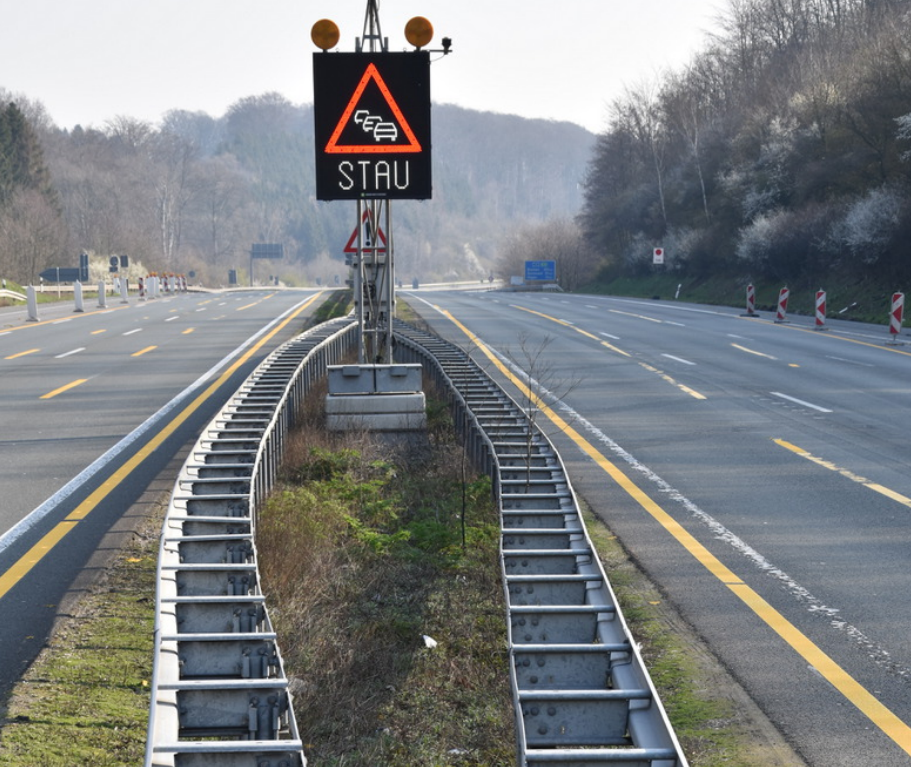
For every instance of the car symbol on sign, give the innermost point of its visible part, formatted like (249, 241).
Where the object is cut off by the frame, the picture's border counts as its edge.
(385, 130)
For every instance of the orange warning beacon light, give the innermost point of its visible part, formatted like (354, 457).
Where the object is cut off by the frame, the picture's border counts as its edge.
(418, 31)
(325, 34)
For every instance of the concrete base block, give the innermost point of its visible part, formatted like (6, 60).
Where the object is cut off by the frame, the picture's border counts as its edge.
(376, 412)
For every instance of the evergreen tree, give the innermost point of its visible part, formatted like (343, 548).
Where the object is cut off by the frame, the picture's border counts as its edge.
(22, 163)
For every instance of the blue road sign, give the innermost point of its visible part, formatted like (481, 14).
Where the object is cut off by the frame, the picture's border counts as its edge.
(540, 271)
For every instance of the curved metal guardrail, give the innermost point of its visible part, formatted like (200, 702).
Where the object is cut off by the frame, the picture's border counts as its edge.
(582, 694)
(219, 691)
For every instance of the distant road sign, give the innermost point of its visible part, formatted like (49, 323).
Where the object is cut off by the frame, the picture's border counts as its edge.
(267, 250)
(61, 274)
(540, 271)
(371, 116)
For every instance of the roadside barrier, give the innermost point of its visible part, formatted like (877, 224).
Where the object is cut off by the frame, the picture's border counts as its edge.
(581, 691)
(896, 316)
(782, 314)
(219, 691)
(220, 696)
(751, 302)
(821, 310)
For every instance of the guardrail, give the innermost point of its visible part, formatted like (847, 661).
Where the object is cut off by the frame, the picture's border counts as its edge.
(219, 691)
(582, 694)
(220, 696)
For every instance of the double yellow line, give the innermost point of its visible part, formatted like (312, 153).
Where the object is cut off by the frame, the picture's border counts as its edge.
(853, 691)
(32, 557)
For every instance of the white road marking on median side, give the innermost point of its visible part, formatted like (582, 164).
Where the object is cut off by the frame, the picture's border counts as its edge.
(134, 330)
(608, 335)
(850, 362)
(678, 359)
(800, 402)
(67, 354)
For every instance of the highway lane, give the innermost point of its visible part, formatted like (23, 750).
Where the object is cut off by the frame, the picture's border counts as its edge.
(123, 365)
(775, 463)
(97, 410)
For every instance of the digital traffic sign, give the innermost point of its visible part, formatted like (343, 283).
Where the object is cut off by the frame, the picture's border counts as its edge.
(372, 125)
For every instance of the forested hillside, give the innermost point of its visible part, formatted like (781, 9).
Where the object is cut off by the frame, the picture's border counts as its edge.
(196, 191)
(781, 152)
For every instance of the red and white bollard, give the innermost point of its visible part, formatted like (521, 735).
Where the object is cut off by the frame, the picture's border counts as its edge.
(751, 302)
(782, 315)
(896, 316)
(821, 310)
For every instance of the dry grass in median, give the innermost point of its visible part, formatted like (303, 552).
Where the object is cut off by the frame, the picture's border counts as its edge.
(362, 557)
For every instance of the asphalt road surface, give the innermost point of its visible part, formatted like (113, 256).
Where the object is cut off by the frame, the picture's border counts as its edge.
(97, 410)
(758, 471)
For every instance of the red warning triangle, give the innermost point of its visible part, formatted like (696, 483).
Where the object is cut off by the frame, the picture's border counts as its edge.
(367, 243)
(381, 130)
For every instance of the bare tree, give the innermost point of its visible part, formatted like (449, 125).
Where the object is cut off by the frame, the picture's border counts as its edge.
(32, 236)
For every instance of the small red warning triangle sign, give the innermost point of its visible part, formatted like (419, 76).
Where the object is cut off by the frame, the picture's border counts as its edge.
(373, 236)
(389, 136)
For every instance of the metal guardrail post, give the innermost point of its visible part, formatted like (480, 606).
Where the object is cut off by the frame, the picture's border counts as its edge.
(582, 694)
(219, 691)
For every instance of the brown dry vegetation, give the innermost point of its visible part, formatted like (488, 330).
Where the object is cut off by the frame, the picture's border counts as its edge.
(362, 555)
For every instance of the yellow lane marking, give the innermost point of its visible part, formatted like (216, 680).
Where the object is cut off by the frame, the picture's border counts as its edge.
(71, 385)
(143, 351)
(188, 331)
(12, 576)
(637, 316)
(52, 322)
(21, 568)
(664, 376)
(21, 354)
(847, 473)
(853, 691)
(569, 325)
(96, 332)
(883, 346)
(258, 301)
(750, 351)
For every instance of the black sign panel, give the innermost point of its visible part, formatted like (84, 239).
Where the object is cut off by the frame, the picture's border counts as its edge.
(372, 125)
(267, 250)
(61, 274)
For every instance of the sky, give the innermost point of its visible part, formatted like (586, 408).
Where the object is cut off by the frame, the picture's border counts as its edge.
(91, 61)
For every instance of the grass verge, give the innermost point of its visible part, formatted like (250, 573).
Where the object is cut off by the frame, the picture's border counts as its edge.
(85, 700)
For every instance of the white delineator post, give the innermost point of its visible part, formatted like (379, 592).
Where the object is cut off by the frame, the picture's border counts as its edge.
(77, 297)
(31, 303)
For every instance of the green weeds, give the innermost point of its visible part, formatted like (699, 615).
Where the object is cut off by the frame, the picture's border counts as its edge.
(380, 567)
(85, 700)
